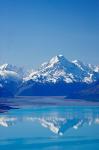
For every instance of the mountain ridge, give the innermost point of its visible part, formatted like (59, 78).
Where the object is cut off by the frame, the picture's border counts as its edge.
(60, 68)
(58, 76)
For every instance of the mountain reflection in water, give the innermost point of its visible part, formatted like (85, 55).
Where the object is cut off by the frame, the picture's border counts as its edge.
(56, 121)
(48, 124)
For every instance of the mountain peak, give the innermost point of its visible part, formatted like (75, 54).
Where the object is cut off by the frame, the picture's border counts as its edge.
(8, 67)
(58, 59)
(14, 69)
(4, 66)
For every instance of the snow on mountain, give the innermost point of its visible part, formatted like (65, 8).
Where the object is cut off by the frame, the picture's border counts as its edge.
(60, 69)
(96, 69)
(12, 68)
(9, 73)
(57, 70)
(10, 79)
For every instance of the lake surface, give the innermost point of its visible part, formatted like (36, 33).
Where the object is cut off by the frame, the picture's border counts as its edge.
(48, 123)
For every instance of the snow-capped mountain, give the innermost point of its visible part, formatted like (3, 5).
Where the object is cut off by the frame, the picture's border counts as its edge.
(10, 79)
(60, 69)
(58, 76)
(20, 71)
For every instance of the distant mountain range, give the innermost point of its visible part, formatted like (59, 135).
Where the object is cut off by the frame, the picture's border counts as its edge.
(57, 77)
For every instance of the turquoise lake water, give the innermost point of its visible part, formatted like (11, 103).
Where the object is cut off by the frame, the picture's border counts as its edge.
(49, 126)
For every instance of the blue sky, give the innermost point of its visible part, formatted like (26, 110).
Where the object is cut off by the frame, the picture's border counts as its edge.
(33, 31)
